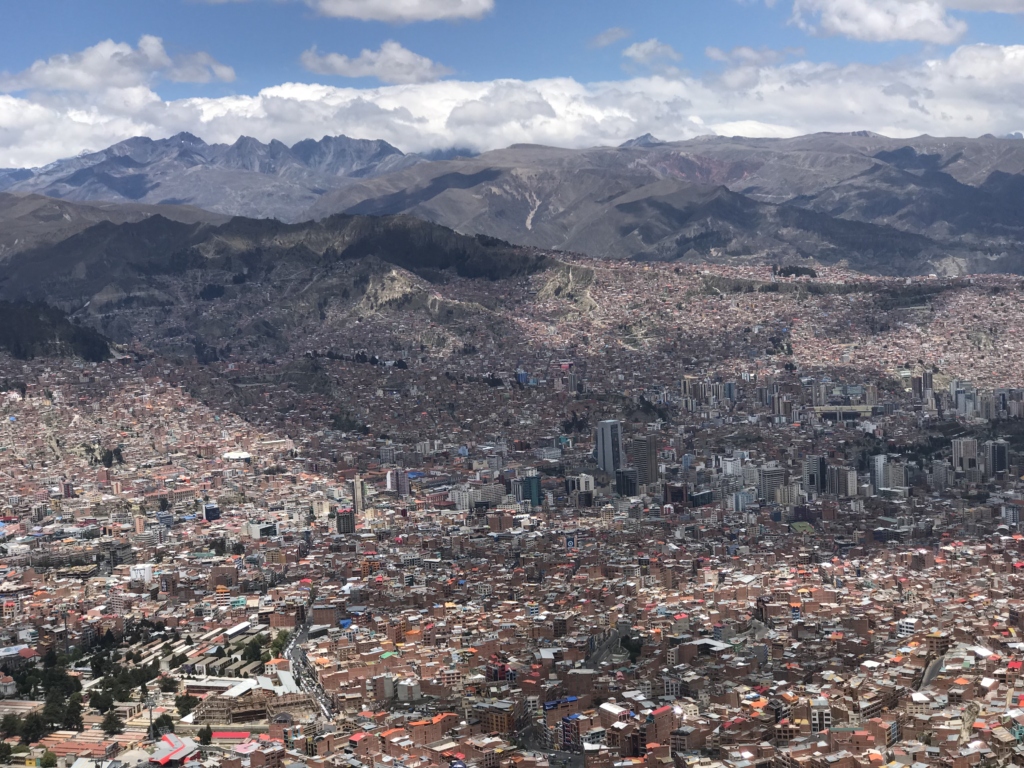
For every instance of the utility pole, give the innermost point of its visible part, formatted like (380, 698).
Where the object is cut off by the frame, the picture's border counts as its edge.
(150, 702)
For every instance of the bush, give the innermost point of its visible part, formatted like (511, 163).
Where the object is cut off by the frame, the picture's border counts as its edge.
(211, 292)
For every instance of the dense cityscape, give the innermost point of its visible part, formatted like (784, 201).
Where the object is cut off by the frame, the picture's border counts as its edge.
(783, 549)
(511, 384)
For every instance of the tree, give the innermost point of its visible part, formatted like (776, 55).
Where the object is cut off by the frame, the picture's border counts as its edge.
(33, 728)
(168, 684)
(164, 723)
(73, 716)
(53, 712)
(102, 701)
(280, 642)
(112, 723)
(252, 650)
(5, 752)
(50, 659)
(10, 726)
(205, 735)
(186, 704)
(49, 760)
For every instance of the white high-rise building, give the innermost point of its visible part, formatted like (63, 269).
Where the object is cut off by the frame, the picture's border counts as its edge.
(878, 479)
(965, 454)
(732, 465)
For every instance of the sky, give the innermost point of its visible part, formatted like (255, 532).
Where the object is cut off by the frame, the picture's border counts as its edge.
(80, 75)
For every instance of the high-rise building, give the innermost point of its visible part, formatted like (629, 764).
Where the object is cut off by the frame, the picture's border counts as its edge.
(896, 475)
(626, 482)
(732, 465)
(768, 479)
(404, 489)
(965, 454)
(645, 459)
(527, 489)
(997, 457)
(819, 394)
(814, 474)
(841, 481)
(346, 521)
(878, 463)
(609, 445)
(357, 494)
(871, 395)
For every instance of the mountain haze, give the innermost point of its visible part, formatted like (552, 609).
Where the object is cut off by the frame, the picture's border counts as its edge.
(244, 178)
(892, 206)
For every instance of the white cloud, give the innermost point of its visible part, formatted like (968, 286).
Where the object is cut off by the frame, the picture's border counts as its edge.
(879, 20)
(751, 57)
(391, 64)
(887, 20)
(403, 11)
(608, 37)
(997, 6)
(976, 89)
(650, 51)
(116, 65)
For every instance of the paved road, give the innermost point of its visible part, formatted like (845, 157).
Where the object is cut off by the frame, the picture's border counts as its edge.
(303, 674)
(603, 649)
(557, 759)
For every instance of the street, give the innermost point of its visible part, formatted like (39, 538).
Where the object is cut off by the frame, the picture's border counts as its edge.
(304, 676)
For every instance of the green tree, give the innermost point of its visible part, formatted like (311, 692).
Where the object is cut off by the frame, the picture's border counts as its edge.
(49, 760)
(252, 650)
(10, 726)
(33, 727)
(280, 643)
(112, 723)
(164, 723)
(205, 735)
(101, 701)
(53, 712)
(186, 704)
(168, 684)
(73, 716)
(5, 752)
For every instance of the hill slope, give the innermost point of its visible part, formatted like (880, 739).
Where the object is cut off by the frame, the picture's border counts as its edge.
(32, 221)
(175, 285)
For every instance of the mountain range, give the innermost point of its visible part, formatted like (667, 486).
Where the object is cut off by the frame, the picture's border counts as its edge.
(247, 178)
(881, 205)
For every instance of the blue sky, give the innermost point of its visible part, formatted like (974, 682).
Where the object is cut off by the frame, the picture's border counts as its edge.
(896, 66)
